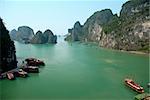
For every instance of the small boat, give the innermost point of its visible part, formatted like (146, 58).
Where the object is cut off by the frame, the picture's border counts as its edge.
(10, 76)
(31, 69)
(34, 62)
(134, 86)
(21, 73)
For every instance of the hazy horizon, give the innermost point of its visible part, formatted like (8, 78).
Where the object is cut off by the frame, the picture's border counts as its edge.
(57, 15)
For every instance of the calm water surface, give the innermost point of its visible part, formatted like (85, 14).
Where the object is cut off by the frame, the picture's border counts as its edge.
(77, 71)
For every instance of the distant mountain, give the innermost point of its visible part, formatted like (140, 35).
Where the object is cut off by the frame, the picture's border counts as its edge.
(46, 37)
(7, 50)
(25, 34)
(129, 31)
(38, 38)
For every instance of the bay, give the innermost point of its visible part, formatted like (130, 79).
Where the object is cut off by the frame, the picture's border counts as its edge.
(77, 71)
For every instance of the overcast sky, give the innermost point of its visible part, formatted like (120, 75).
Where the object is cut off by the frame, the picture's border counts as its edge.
(56, 15)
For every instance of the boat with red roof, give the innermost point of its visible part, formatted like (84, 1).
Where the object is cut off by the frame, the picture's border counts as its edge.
(134, 86)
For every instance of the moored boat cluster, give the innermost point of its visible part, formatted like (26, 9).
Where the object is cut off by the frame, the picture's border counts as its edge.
(30, 65)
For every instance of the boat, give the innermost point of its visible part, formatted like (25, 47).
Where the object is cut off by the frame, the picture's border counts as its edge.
(34, 62)
(31, 69)
(21, 73)
(10, 76)
(130, 83)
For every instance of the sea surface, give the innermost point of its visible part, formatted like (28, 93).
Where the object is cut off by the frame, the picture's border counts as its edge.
(77, 71)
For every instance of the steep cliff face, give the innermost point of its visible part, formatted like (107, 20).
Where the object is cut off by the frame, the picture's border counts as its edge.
(75, 32)
(7, 50)
(46, 37)
(91, 28)
(129, 31)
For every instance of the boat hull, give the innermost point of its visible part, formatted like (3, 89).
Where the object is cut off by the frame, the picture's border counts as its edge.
(140, 90)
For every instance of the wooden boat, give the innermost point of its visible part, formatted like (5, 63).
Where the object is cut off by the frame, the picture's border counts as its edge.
(34, 62)
(10, 76)
(21, 73)
(31, 69)
(130, 83)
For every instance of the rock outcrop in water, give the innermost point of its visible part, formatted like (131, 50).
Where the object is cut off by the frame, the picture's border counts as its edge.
(7, 50)
(130, 31)
(25, 34)
(75, 31)
(46, 37)
(49, 36)
(38, 38)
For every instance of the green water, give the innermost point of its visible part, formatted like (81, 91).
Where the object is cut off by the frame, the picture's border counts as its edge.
(76, 71)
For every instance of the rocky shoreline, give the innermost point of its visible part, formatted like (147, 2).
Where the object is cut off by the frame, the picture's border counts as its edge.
(137, 52)
(131, 52)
